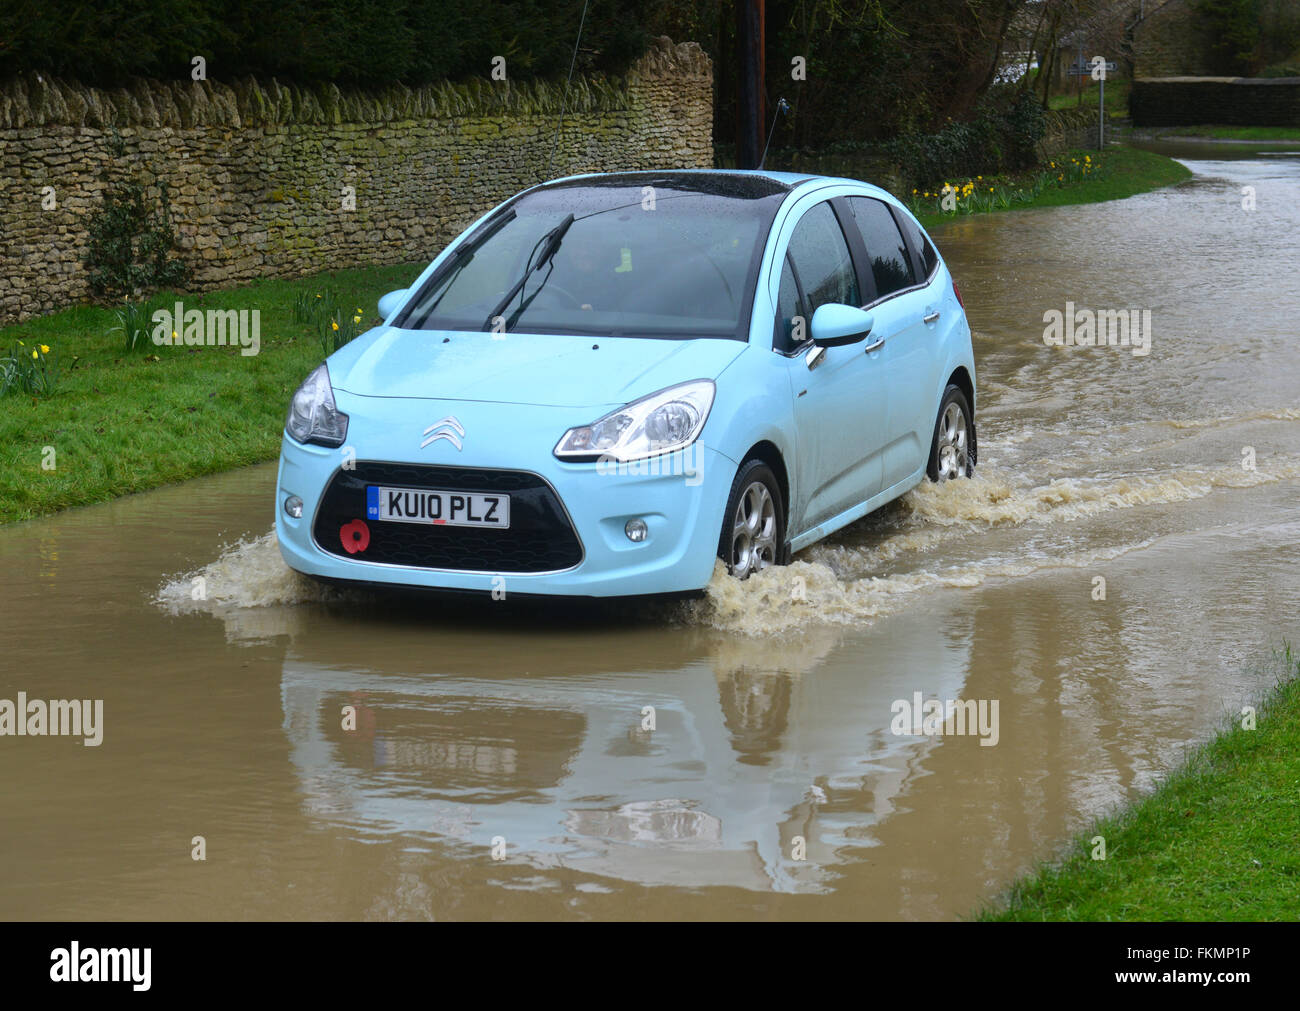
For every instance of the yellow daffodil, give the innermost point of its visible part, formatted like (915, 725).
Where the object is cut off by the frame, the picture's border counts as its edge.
(45, 349)
(334, 324)
(33, 356)
(356, 319)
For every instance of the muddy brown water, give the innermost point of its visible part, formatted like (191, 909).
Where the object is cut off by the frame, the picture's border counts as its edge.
(773, 700)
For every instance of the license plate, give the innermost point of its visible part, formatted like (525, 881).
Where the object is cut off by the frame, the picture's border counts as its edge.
(440, 508)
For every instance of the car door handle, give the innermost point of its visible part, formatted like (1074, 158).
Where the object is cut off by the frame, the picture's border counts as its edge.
(875, 345)
(929, 317)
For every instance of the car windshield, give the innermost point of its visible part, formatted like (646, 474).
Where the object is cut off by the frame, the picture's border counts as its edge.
(645, 255)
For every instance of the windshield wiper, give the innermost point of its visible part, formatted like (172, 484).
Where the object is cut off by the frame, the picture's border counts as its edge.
(550, 244)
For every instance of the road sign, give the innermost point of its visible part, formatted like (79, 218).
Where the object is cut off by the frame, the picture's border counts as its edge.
(1084, 70)
(1088, 68)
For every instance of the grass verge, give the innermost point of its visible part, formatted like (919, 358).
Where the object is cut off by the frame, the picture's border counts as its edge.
(1117, 92)
(1215, 841)
(1120, 172)
(1260, 133)
(121, 422)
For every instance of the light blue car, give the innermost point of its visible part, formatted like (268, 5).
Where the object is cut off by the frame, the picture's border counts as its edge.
(610, 380)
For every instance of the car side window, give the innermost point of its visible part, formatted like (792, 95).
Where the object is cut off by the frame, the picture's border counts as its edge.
(817, 269)
(789, 307)
(886, 251)
(929, 258)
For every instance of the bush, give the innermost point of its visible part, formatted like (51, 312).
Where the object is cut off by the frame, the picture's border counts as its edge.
(343, 41)
(131, 241)
(1024, 124)
(1002, 136)
(1233, 28)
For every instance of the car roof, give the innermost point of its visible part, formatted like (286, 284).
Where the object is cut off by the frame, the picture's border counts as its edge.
(727, 180)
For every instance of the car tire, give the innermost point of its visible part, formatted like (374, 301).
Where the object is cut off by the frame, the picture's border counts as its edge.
(753, 525)
(952, 450)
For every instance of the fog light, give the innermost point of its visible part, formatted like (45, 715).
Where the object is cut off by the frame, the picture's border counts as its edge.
(636, 531)
(293, 507)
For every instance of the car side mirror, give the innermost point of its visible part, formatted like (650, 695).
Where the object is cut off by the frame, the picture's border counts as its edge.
(388, 303)
(834, 325)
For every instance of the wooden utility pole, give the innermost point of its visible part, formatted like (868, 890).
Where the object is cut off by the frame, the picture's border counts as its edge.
(751, 111)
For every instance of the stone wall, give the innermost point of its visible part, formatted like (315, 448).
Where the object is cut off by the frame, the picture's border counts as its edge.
(1171, 40)
(1226, 101)
(260, 173)
(1067, 129)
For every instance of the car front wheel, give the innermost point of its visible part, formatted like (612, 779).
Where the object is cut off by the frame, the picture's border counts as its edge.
(952, 451)
(753, 526)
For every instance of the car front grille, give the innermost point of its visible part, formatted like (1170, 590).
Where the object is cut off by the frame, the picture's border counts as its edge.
(540, 537)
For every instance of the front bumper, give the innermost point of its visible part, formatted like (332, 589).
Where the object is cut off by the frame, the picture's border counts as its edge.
(680, 498)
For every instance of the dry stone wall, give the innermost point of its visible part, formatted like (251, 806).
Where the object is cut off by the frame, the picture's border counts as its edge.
(272, 180)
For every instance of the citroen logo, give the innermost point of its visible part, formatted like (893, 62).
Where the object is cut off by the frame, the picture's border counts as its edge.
(446, 428)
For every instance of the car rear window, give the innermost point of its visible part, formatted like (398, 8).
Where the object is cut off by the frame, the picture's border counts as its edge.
(920, 242)
(887, 252)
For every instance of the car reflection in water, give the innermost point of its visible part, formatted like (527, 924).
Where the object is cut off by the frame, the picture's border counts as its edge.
(754, 745)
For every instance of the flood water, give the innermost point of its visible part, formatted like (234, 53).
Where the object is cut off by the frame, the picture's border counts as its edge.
(773, 699)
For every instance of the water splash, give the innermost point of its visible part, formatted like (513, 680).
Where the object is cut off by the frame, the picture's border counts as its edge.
(249, 573)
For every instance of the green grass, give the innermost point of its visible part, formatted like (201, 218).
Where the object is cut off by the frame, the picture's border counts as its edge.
(1261, 133)
(1120, 172)
(124, 422)
(1117, 89)
(1216, 841)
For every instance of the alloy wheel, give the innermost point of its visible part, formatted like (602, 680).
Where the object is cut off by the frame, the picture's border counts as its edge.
(753, 531)
(953, 444)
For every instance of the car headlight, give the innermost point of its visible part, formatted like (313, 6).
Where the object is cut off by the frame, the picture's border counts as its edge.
(313, 416)
(660, 423)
